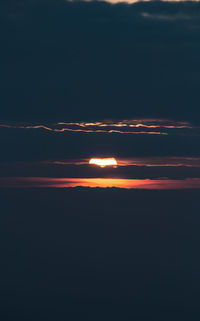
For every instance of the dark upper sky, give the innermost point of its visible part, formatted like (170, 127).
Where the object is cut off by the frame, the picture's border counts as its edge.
(92, 60)
(83, 71)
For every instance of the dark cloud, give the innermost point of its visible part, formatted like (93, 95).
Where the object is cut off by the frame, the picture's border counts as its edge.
(19, 145)
(62, 169)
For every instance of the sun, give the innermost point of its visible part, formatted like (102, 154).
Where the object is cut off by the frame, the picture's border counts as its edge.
(103, 162)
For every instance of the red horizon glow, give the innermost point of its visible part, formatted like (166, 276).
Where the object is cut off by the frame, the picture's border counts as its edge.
(46, 182)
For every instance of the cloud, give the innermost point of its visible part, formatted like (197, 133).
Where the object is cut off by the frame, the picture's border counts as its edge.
(46, 182)
(128, 127)
(166, 17)
(130, 168)
(170, 161)
(135, 1)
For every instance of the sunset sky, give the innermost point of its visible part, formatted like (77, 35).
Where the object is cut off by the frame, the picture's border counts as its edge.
(83, 79)
(99, 160)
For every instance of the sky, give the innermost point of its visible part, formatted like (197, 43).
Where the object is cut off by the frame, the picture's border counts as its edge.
(83, 79)
(99, 79)
(75, 60)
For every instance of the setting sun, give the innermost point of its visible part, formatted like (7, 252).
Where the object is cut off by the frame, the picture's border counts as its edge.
(103, 162)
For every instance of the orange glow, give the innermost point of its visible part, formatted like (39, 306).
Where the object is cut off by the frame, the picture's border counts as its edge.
(103, 162)
(38, 182)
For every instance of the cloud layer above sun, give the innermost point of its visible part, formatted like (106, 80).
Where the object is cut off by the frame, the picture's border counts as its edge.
(128, 127)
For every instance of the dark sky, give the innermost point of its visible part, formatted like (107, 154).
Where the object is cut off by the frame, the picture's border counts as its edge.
(75, 61)
(124, 82)
(65, 60)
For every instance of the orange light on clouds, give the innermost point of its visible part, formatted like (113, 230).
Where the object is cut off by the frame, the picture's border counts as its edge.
(103, 162)
(148, 184)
